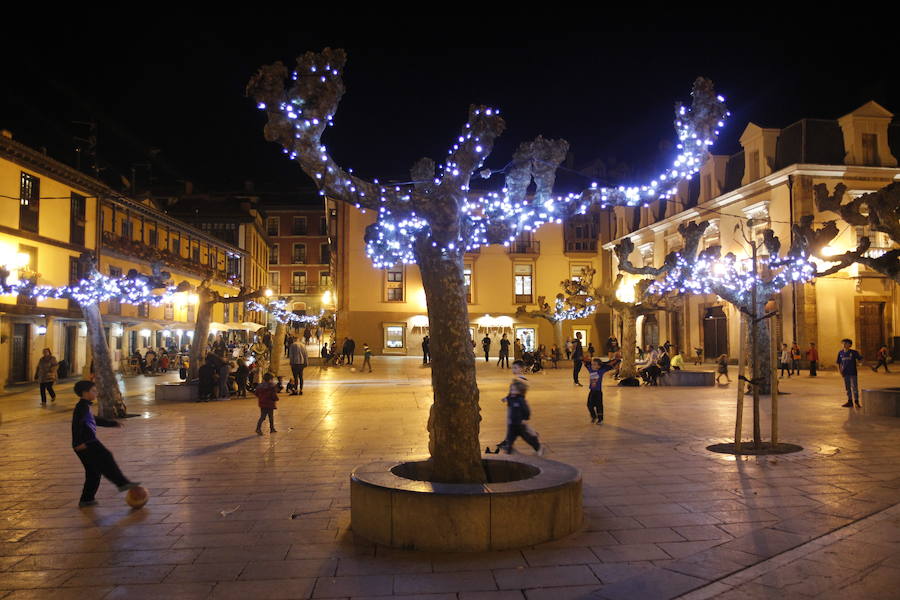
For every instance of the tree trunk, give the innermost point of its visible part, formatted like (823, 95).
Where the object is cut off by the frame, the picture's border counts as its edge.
(277, 353)
(108, 395)
(201, 331)
(629, 339)
(558, 333)
(455, 417)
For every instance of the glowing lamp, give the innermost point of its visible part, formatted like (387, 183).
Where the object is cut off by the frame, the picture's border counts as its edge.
(41, 330)
(145, 333)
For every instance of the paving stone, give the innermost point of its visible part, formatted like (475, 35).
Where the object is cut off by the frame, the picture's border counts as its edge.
(287, 569)
(629, 553)
(205, 572)
(272, 589)
(542, 557)
(765, 542)
(647, 535)
(434, 583)
(356, 585)
(80, 593)
(650, 584)
(544, 577)
(173, 591)
(569, 592)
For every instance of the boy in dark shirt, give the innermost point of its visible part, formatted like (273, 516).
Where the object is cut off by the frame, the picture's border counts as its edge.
(846, 361)
(596, 369)
(517, 412)
(97, 460)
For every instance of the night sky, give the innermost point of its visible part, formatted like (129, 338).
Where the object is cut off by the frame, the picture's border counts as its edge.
(177, 100)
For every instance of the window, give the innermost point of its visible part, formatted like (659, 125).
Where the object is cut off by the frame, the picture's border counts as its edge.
(323, 226)
(233, 266)
(324, 279)
(394, 284)
(115, 305)
(169, 311)
(299, 226)
(127, 229)
(235, 311)
(325, 254)
(581, 233)
(191, 312)
(298, 256)
(298, 282)
(275, 281)
(273, 254)
(272, 224)
(225, 313)
(394, 337)
(77, 219)
(29, 202)
(467, 281)
(577, 270)
(195, 253)
(176, 246)
(523, 279)
(870, 149)
(154, 237)
(144, 310)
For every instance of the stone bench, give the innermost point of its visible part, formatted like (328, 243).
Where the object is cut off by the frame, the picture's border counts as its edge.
(884, 402)
(176, 392)
(688, 378)
(528, 500)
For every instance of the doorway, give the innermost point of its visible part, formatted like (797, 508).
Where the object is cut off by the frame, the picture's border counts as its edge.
(871, 328)
(70, 346)
(650, 331)
(715, 332)
(21, 348)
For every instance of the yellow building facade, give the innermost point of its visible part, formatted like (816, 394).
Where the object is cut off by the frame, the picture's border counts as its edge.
(771, 181)
(387, 308)
(50, 214)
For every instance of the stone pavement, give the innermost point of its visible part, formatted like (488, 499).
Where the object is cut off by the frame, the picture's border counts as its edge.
(234, 515)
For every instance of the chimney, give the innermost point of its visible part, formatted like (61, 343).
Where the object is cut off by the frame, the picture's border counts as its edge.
(6, 133)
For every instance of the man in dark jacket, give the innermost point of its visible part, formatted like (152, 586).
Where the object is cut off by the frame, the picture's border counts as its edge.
(426, 350)
(577, 357)
(486, 346)
(351, 349)
(96, 459)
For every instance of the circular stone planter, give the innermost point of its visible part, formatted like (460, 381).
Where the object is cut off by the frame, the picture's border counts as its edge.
(527, 500)
(884, 402)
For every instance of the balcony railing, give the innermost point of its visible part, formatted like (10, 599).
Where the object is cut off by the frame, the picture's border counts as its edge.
(309, 289)
(582, 245)
(524, 247)
(151, 254)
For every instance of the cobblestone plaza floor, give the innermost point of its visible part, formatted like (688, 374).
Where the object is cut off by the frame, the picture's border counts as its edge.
(664, 518)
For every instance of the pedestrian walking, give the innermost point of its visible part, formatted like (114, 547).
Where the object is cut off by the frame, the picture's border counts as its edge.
(596, 369)
(486, 346)
(812, 355)
(46, 373)
(517, 412)
(722, 368)
(426, 355)
(351, 350)
(95, 458)
(517, 349)
(785, 360)
(795, 358)
(577, 358)
(240, 377)
(504, 352)
(367, 357)
(298, 358)
(882, 357)
(267, 398)
(307, 333)
(206, 376)
(846, 361)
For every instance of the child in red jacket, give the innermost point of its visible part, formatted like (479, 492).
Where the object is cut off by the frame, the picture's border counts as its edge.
(265, 391)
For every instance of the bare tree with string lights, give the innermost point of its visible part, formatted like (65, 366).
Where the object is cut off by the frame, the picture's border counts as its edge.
(749, 290)
(88, 293)
(433, 222)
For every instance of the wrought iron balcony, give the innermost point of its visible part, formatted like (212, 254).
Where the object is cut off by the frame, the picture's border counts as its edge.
(524, 247)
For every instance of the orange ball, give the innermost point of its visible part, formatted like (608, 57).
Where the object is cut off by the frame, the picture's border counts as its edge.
(137, 497)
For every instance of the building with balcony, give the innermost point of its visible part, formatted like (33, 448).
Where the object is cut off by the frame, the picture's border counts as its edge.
(300, 251)
(771, 180)
(49, 215)
(234, 218)
(386, 308)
